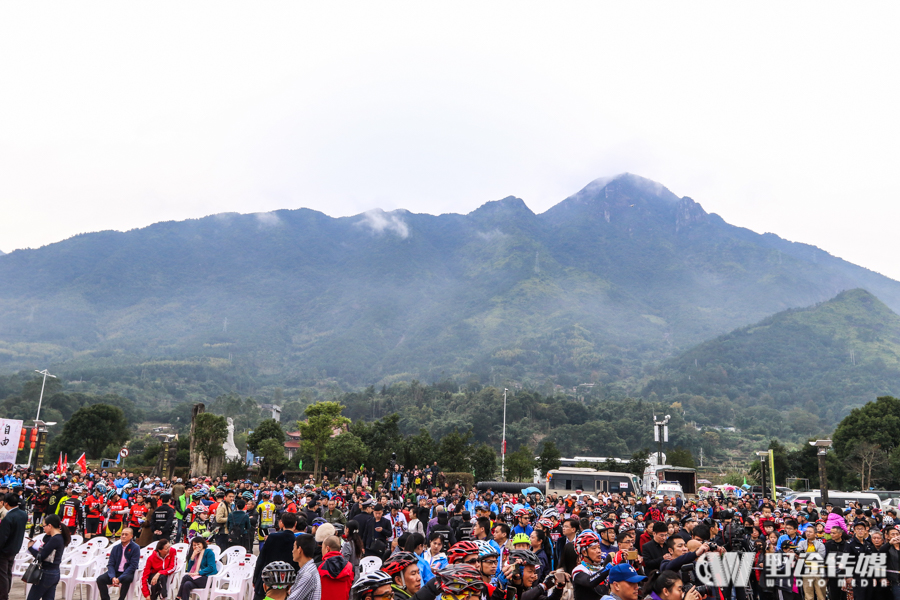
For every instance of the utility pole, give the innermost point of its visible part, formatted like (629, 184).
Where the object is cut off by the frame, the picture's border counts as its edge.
(503, 449)
(46, 374)
(822, 447)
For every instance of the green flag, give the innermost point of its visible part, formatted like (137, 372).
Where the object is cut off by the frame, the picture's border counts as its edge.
(300, 465)
(745, 480)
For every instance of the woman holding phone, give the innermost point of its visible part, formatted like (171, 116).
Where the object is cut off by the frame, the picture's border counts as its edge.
(56, 538)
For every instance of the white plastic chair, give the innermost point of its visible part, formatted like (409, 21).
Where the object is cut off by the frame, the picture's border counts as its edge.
(152, 545)
(181, 547)
(369, 564)
(233, 554)
(69, 575)
(174, 581)
(89, 576)
(217, 552)
(233, 582)
(211, 582)
(76, 541)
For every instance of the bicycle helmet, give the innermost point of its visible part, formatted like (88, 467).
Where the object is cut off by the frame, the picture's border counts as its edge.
(200, 509)
(521, 538)
(319, 521)
(458, 579)
(460, 550)
(550, 513)
(545, 522)
(369, 582)
(248, 495)
(526, 556)
(111, 494)
(278, 575)
(523, 512)
(585, 540)
(888, 520)
(399, 561)
(485, 549)
(599, 525)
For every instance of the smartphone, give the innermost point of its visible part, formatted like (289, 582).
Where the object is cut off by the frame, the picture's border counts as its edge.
(272, 530)
(631, 555)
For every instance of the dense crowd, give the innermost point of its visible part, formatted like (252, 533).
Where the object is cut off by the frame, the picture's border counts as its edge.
(414, 538)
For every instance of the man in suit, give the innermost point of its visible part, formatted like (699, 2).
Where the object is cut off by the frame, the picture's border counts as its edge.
(122, 566)
(12, 532)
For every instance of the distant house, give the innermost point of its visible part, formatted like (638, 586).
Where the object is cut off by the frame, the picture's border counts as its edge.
(292, 444)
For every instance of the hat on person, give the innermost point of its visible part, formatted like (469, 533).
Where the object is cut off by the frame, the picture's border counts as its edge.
(624, 572)
(324, 531)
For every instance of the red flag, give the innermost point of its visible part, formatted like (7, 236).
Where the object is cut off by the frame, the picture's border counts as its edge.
(82, 462)
(59, 464)
(66, 463)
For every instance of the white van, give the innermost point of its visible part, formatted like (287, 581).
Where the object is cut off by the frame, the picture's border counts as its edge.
(669, 489)
(838, 499)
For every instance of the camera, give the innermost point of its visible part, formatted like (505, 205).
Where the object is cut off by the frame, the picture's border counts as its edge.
(713, 547)
(687, 581)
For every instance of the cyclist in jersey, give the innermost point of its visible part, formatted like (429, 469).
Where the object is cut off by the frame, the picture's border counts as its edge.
(93, 512)
(138, 512)
(117, 508)
(266, 512)
(200, 525)
(70, 511)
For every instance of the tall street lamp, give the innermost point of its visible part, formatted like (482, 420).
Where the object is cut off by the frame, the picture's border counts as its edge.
(503, 449)
(40, 401)
(822, 446)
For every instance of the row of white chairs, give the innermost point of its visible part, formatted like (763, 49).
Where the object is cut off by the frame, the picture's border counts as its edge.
(84, 562)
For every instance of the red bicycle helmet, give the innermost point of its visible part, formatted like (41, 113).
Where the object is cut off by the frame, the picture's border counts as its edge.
(585, 540)
(460, 550)
(397, 562)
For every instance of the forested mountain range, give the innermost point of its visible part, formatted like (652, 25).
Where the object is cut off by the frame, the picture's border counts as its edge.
(797, 372)
(622, 275)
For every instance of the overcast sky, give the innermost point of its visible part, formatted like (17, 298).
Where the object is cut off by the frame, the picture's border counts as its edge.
(779, 117)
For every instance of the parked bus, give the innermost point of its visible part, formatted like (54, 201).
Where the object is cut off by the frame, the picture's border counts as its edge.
(570, 479)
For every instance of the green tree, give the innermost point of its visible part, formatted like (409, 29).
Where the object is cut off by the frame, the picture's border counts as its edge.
(381, 437)
(345, 451)
(680, 457)
(549, 457)
(520, 465)
(209, 434)
(610, 464)
(420, 449)
(639, 462)
(244, 411)
(273, 458)
(876, 422)
(92, 429)
(269, 429)
(322, 419)
(454, 452)
(484, 462)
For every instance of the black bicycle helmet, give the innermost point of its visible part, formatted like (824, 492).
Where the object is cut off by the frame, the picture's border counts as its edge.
(369, 582)
(278, 575)
(526, 556)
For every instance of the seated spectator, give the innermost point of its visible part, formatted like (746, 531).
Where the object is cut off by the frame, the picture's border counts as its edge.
(122, 566)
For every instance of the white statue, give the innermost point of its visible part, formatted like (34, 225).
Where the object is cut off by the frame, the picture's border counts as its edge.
(231, 451)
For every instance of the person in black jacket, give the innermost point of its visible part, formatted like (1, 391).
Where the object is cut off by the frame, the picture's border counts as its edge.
(654, 550)
(162, 523)
(12, 532)
(377, 533)
(857, 546)
(56, 538)
(278, 546)
(833, 546)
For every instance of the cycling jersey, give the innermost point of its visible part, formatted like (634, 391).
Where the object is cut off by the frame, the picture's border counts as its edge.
(266, 512)
(70, 513)
(138, 515)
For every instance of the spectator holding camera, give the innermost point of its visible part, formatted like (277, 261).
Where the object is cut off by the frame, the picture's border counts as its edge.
(667, 585)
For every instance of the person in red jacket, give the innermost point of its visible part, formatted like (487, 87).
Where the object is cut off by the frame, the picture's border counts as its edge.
(160, 564)
(335, 572)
